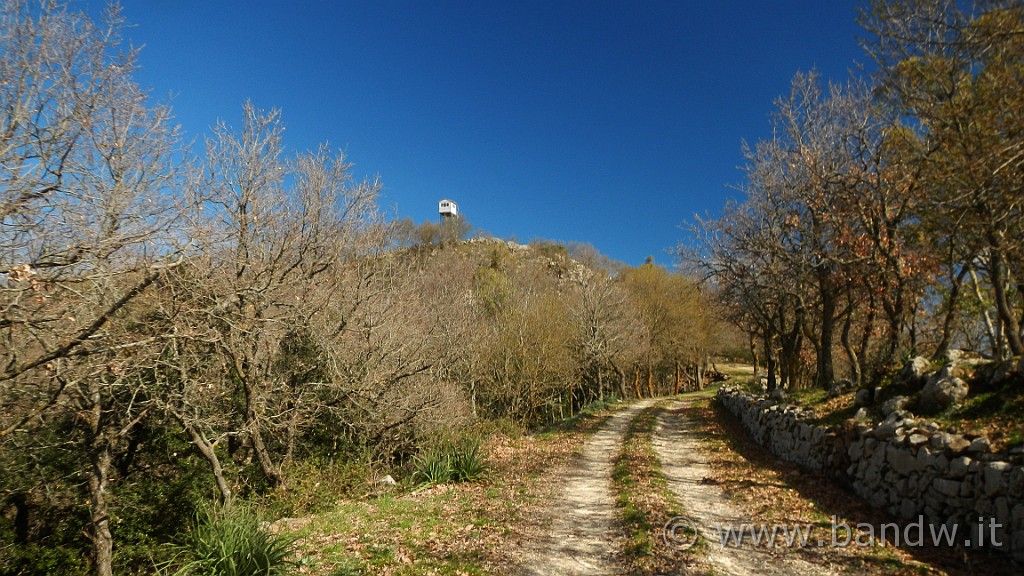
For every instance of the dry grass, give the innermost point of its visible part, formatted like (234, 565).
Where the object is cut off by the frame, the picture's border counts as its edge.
(465, 529)
(645, 503)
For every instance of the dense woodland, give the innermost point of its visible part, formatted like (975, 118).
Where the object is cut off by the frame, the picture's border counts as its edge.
(883, 219)
(185, 324)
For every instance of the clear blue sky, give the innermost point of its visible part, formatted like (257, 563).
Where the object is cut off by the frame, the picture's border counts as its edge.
(608, 122)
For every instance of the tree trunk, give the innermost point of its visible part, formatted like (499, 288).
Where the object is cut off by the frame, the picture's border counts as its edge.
(270, 470)
(622, 381)
(993, 340)
(21, 521)
(99, 470)
(208, 452)
(769, 358)
(867, 372)
(851, 353)
(1011, 328)
(99, 516)
(826, 373)
(291, 433)
(894, 313)
(952, 304)
(753, 353)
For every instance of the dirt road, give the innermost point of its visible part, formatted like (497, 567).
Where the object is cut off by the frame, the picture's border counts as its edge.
(584, 537)
(688, 475)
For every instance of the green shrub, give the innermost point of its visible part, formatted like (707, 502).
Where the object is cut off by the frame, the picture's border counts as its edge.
(232, 541)
(315, 485)
(41, 559)
(460, 461)
(467, 463)
(432, 467)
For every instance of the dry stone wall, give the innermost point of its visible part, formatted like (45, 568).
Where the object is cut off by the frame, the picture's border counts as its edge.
(908, 467)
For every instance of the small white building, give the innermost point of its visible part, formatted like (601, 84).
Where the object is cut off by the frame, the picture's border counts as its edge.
(447, 208)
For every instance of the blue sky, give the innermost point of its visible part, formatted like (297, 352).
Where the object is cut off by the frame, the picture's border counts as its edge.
(608, 122)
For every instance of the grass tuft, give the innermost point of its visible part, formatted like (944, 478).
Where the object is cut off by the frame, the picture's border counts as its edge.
(232, 541)
(645, 501)
(432, 466)
(461, 461)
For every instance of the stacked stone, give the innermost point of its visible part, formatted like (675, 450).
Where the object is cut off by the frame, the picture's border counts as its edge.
(900, 464)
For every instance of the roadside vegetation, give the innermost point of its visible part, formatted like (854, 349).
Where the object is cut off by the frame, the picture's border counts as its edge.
(645, 502)
(991, 409)
(474, 527)
(882, 220)
(232, 332)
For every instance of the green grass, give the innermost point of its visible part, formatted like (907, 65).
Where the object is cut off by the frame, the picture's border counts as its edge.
(467, 528)
(460, 461)
(644, 499)
(232, 541)
(635, 459)
(401, 535)
(808, 396)
(993, 410)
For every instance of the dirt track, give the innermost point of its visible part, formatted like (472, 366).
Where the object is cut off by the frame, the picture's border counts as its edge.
(584, 537)
(687, 472)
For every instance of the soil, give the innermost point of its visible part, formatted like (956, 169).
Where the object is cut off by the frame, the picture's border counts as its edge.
(582, 536)
(686, 469)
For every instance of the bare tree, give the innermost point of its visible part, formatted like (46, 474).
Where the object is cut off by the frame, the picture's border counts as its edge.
(87, 166)
(274, 235)
(609, 332)
(951, 70)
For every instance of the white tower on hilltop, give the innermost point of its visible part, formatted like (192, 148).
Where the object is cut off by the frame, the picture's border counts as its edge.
(447, 209)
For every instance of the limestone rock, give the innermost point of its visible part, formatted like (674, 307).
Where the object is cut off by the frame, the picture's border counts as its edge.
(915, 370)
(996, 475)
(864, 397)
(894, 404)
(841, 387)
(1016, 488)
(958, 467)
(980, 445)
(953, 355)
(943, 392)
(954, 444)
(892, 425)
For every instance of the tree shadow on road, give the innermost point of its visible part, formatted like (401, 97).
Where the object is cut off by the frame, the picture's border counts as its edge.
(775, 491)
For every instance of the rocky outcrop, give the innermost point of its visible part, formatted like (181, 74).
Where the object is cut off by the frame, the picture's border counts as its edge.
(908, 467)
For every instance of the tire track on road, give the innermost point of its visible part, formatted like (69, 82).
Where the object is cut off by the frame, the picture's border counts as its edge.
(584, 536)
(677, 445)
